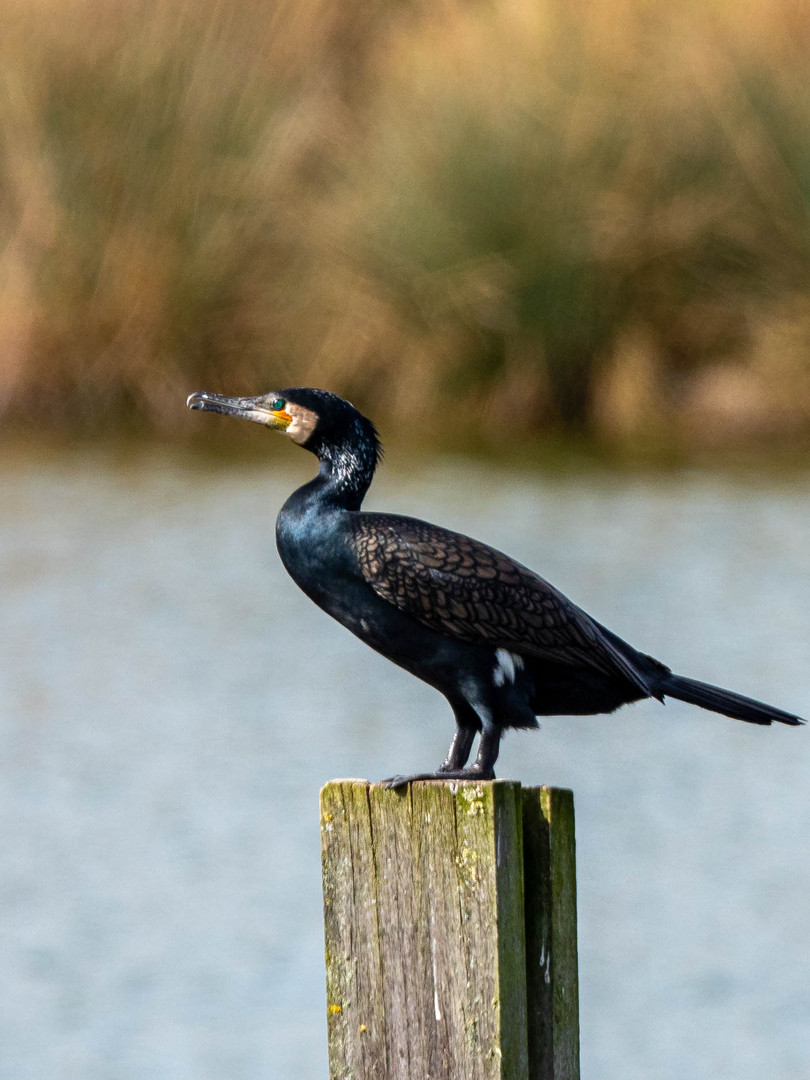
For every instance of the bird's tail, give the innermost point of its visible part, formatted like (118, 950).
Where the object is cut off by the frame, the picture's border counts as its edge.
(718, 700)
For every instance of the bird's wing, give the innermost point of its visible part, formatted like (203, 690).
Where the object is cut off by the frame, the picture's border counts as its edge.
(469, 591)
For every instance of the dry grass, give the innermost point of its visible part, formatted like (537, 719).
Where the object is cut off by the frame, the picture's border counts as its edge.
(584, 217)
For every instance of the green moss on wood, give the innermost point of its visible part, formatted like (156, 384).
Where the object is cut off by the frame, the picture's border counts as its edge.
(434, 926)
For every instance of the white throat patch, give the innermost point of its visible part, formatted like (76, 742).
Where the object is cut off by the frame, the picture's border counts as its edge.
(304, 422)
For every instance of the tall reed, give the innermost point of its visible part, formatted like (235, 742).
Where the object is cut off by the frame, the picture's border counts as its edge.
(580, 217)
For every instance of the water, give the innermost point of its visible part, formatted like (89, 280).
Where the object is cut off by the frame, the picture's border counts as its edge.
(171, 704)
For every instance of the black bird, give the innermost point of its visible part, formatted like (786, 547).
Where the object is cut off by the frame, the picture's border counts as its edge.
(502, 645)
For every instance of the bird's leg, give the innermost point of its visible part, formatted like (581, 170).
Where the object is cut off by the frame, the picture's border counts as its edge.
(488, 747)
(453, 768)
(459, 750)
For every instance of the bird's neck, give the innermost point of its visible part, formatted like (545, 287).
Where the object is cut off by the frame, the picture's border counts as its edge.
(344, 476)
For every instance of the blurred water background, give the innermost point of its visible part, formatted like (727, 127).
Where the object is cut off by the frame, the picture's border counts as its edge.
(560, 253)
(171, 705)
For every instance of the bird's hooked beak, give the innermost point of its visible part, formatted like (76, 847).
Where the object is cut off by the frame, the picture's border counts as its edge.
(258, 409)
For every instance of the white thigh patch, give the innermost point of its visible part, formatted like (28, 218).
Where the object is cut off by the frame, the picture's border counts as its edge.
(507, 665)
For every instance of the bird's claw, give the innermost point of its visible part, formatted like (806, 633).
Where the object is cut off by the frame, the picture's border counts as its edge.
(394, 782)
(472, 773)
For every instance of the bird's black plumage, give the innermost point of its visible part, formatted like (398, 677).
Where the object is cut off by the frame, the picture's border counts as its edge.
(503, 645)
(473, 593)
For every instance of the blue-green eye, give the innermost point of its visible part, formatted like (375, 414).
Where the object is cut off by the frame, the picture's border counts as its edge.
(277, 404)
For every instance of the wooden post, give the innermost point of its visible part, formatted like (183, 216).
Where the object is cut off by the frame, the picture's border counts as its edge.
(450, 914)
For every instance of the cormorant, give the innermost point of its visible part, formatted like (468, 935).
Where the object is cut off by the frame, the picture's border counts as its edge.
(502, 645)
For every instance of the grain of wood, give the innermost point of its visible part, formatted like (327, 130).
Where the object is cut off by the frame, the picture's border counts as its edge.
(426, 932)
(551, 933)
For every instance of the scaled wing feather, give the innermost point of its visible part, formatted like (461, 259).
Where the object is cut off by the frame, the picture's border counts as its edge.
(469, 591)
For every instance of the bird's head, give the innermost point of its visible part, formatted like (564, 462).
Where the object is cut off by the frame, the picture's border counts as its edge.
(315, 419)
(275, 410)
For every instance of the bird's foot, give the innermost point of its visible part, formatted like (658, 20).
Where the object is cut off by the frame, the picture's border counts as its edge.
(473, 772)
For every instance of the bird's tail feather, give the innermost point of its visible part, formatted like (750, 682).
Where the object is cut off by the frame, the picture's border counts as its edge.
(718, 700)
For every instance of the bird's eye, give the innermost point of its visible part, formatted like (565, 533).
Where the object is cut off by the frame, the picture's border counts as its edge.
(277, 404)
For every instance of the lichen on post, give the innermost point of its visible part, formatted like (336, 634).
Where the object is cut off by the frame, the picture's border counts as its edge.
(427, 931)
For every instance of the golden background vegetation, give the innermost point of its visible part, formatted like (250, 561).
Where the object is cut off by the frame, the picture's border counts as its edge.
(587, 218)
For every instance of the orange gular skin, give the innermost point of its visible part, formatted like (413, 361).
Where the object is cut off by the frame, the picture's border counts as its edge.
(282, 417)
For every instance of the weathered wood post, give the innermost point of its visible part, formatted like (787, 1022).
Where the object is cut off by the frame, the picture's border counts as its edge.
(450, 914)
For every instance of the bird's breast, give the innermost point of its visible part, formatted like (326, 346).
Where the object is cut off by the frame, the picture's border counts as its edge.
(316, 554)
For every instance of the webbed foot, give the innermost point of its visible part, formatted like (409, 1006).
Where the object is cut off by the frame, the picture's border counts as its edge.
(473, 772)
